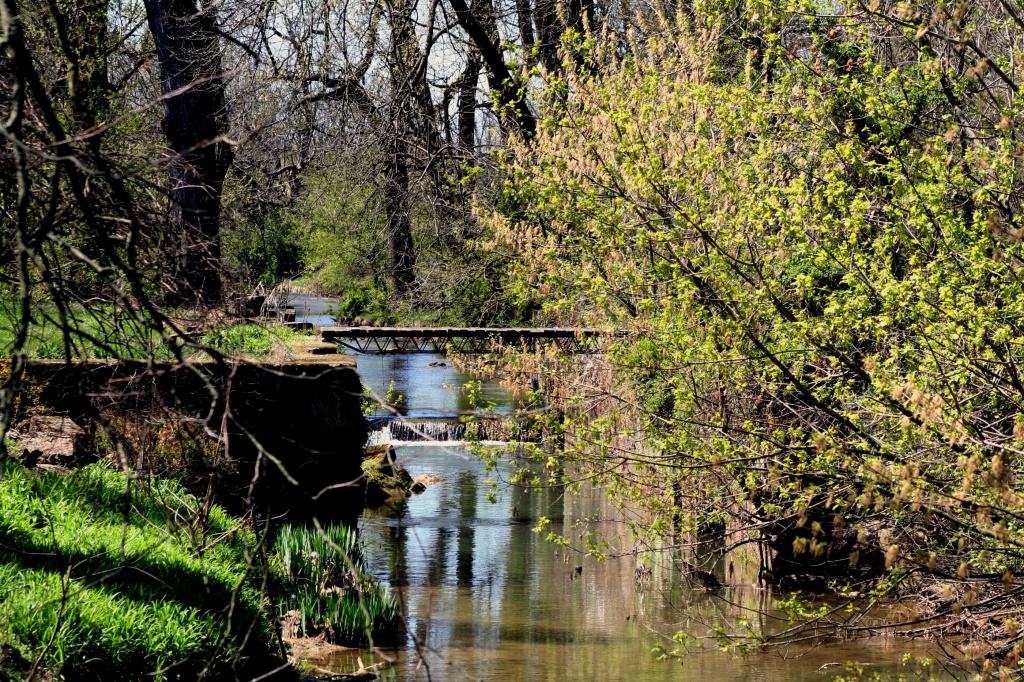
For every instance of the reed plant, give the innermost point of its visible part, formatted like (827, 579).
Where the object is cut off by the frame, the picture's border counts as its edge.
(324, 586)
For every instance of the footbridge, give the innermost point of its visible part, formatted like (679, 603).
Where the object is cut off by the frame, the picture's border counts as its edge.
(463, 339)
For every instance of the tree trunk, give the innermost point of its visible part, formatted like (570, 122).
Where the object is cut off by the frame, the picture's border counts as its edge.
(409, 97)
(194, 122)
(506, 90)
(467, 86)
(91, 94)
(399, 226)
(549, 33)
(552, 19)
(524, 17)
(80, 29)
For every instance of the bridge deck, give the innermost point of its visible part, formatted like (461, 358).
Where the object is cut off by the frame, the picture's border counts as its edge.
(461, 339)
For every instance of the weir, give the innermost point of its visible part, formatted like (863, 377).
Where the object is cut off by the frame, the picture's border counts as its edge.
(448, 431)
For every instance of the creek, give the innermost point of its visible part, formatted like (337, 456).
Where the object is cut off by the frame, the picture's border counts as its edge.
(317, 310)
(487, 598)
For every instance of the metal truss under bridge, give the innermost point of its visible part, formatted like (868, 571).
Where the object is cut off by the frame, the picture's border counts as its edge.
(462, 340)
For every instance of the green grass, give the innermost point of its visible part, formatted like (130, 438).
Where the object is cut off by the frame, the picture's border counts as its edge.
(254, 341)
(95, 332)
(102, 333)
(143, 594)
(323, 578)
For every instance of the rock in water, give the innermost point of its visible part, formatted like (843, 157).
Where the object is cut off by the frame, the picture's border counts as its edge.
(420, 483)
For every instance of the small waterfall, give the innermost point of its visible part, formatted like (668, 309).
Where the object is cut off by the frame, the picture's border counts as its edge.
(488, 430)
(426, 431)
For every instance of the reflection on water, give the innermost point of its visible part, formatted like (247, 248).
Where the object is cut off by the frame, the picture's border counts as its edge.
(487, 598)
(428, 392)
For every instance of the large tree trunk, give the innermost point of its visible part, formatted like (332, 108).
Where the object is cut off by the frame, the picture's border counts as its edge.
(409, 97)
(194, 121)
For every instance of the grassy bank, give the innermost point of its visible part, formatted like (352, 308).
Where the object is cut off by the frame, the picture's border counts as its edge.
(104, 333)
(102, 577)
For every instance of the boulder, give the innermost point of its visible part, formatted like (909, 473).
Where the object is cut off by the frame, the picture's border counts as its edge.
(49, 439)
(421, 483)
(385, 481)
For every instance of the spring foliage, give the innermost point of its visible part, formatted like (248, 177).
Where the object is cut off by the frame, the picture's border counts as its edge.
(808, 220)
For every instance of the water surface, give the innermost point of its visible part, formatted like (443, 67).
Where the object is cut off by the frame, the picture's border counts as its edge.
(317, 310)
(430, 387)
(487, 598)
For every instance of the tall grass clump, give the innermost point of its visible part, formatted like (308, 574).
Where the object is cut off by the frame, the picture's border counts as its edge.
(324, 586)
(102, 577)
(254, 341)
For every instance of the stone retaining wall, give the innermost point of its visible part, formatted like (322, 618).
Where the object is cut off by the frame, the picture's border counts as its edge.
(306, 417)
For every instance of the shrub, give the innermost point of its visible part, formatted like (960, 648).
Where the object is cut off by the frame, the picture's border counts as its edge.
(253, 340)
(818, 259)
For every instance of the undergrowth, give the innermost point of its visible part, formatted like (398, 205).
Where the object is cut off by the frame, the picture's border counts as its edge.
(254, 341)
(138, 590)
